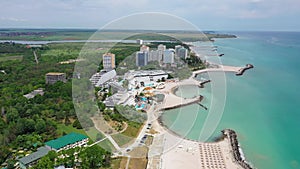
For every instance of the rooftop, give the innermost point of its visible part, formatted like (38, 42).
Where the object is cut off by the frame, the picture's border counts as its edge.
(65, 140)
(146, 73)
(42, 151)
(55, 73)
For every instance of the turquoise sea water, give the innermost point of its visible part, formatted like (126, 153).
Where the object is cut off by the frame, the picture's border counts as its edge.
(262, 105)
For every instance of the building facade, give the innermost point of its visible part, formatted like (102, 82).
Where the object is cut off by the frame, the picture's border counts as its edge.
(177, 47)
(146, 76)
(53, 77)
(153, 56)
(144, 48)
(32, 159)
(141, 59)
(108, 60)
(168, 57)
(100, 79)
(161, 48)
(139, 41)
(182, 53)
(68, 141)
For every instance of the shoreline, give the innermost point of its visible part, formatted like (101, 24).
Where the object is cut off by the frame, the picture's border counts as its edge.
(179, 151)
(227, 143)
(237, 150)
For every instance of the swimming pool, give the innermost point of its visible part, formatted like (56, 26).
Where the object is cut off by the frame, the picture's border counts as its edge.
(140, 107)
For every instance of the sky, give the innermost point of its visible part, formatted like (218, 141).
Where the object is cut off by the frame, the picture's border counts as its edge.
(274, 15)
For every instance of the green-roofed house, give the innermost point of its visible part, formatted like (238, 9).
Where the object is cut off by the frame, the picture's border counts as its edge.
(68, 141)
(32, 159)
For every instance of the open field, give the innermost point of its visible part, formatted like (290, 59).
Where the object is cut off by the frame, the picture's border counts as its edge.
(106, 144)
(7, 58)
(138, 163)
(132, 130)
(84, 34)
(61, 128)
(121, 139)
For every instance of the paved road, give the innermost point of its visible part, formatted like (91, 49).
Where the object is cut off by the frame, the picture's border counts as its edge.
(151, 117)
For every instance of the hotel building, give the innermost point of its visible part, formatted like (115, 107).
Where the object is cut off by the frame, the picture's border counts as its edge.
(141, 58)
(168, 56)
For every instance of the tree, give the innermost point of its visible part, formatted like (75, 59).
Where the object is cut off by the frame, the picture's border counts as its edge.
(3, 153)
(67, 121)
(44, 163)
(94, 157)
(10, 164)
(12, 115)
(40, 126)
(101, 106)
(52, 155)
(2, 124)
(24, 126)
(77, 124)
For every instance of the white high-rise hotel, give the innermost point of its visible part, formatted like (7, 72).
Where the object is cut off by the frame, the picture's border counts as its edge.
(168, 56)
(161, 48)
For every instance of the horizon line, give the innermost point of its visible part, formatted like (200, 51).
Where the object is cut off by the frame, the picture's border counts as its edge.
(94, 29)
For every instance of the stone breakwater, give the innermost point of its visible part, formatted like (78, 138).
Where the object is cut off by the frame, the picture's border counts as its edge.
(237, 154)
(242, 70)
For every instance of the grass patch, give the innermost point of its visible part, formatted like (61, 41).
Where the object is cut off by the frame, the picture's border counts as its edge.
(132, 130)
(138, 163)
(121, 139)
(94, 134)
(115, 163)
(129, 134)
(106, 144)
(6, 58)
(61, 128)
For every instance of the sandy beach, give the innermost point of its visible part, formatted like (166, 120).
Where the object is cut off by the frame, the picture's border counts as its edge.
(171, 151)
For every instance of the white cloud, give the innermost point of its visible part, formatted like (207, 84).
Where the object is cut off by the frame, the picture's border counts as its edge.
(12, 19)
(95, 13)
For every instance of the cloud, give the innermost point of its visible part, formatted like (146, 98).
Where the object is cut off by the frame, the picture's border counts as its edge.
(12, 19)
(95, 13)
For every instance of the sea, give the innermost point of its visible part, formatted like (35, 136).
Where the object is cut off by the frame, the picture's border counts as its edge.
(261, 106)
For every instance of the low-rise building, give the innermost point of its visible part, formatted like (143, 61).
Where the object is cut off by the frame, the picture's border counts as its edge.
(32, 94)
(115, 87)
(68, 141)
(53, 77)
(146, 77)
(109, 61)
(33, 46)
(32, 159)
(139, 41)
(111, 101)
(100, 79)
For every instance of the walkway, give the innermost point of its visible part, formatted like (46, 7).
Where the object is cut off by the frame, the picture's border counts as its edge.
(222, 68)
(35, 57)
